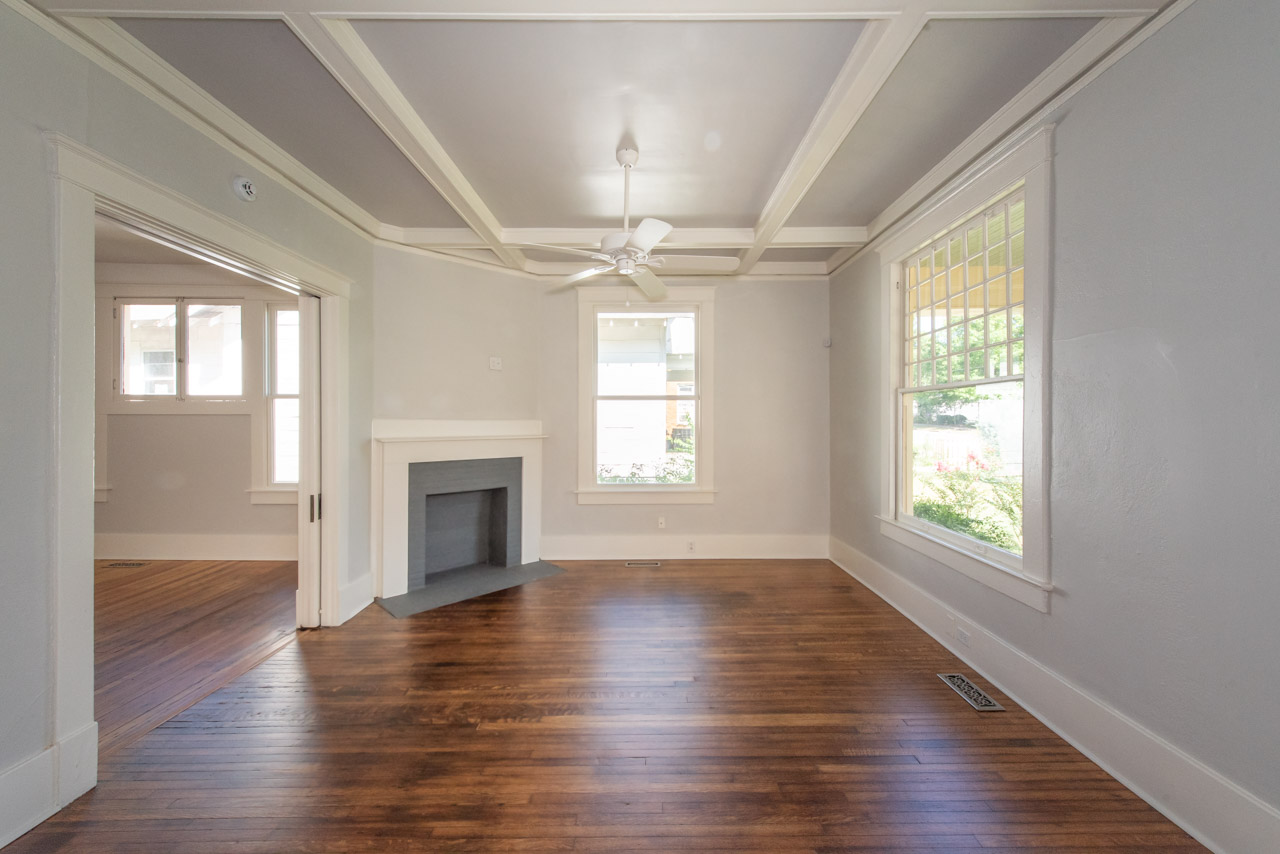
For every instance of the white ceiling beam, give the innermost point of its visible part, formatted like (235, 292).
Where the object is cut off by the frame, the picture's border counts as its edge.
(337, 45)
(594, 10)
(170, 85)
(765, 268)
(869, 65)
(435, 238)
(684, 238)
(589, 238)
(1075, 60)
(802, 236)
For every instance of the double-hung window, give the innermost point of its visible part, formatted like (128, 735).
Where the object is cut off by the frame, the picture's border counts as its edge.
(644, 374)
(284, 384)
(965, 409)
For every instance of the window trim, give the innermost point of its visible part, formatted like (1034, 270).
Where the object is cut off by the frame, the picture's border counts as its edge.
(254, 300)
(270, 363)
(701, 301)
(1026, 163)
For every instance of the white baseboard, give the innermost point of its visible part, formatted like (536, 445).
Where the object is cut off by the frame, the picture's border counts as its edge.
(36, 788)
(1216, 811)
(354, 597)
(676, 547)
(196, 546)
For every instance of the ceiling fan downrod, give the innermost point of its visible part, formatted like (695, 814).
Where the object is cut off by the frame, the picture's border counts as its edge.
(627, 158)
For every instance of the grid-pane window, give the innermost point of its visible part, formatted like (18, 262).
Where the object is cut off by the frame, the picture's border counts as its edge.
(284, 383)
(646, 406)
(179, 348)
(962, 387)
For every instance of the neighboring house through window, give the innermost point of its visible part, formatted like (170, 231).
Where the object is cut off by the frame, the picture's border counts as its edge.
(644, 390)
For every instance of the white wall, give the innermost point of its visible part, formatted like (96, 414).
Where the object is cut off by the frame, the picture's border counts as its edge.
(771, 435)
(436, 324)
(1165, 401)
(48, 86)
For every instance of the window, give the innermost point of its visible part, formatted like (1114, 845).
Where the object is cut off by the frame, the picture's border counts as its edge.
(284, 382)
(963, 359)
(965, 399)
(645, 411)
(180, 349)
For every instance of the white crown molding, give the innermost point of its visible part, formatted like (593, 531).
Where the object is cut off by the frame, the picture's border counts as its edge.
(166, 86)
(111, 182)
(879, 49)
(1017, 135)
(1094, 45)
(339, 47)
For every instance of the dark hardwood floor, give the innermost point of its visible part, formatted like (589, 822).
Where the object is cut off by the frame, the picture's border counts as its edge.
(715, 706)
(169, 633)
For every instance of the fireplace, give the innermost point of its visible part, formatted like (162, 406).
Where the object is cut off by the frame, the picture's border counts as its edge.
(463, 513)
(481, 460)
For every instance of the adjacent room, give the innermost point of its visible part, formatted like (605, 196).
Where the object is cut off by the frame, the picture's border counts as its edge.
(748, 426)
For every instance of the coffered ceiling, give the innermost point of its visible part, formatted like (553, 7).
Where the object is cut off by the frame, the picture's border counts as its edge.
(785, 133)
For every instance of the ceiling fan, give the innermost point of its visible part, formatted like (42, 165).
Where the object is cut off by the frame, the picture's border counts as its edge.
(626, 252)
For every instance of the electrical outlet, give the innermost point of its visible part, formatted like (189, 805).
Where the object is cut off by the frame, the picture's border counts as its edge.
(690, 547)
(962, 636)
(662, 521)
(495, 363)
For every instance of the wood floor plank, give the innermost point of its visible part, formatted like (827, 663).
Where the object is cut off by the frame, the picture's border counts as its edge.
(709, 706)
(169, 633)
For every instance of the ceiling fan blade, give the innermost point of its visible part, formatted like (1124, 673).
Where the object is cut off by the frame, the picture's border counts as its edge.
(697, 263)
(652, 286)
(648, 234)
(581, 253)
(569, 282)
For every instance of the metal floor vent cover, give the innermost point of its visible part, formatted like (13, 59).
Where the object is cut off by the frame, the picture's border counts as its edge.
(643, 563)
(972, 694)
(122, 564)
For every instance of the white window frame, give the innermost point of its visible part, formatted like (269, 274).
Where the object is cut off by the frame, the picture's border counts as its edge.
(701, 302)
(180, 402)
(252, 401)
(272, 394)
(1025, 579)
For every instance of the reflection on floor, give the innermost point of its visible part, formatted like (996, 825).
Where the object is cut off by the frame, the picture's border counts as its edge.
(701, 706)
(169, 633)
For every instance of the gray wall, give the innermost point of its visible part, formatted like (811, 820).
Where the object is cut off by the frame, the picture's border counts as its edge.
(771, 420)
(184, 474)
(437, 323)
(48, 86)
(1165, 395)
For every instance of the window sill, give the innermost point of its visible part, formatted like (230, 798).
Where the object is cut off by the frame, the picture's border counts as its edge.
(274, 495)
(1016, 585)
(647, 495)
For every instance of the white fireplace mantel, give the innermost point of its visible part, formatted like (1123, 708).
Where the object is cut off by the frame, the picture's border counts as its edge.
(399, 442)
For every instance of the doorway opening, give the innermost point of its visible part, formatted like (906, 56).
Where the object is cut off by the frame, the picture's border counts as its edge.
(206, 430)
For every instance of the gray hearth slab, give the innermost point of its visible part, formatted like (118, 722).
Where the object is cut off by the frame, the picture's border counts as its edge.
(456, 585)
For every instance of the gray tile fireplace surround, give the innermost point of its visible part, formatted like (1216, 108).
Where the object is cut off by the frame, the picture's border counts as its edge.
(463, 513)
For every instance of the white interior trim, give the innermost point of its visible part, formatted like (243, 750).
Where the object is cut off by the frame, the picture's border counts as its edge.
(677, 547)
(1216, 811)
(700, 300)
(395, 448)
(195, 546)
(35, 788)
